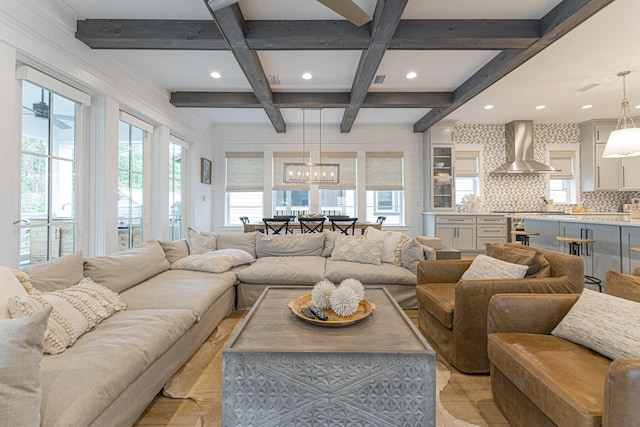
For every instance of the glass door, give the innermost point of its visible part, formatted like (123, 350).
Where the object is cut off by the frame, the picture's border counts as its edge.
(443, 191)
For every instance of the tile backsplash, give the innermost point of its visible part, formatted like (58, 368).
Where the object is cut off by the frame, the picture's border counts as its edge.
(524, 192)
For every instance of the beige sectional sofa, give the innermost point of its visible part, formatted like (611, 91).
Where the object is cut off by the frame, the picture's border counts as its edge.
(112, 372)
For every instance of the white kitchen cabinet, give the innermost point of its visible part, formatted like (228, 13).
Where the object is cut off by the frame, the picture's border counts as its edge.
(598, 174)
(440, 191)
(467, 232)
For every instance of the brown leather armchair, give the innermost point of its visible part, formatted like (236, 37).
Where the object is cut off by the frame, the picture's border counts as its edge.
(453, 314)
(542, 380)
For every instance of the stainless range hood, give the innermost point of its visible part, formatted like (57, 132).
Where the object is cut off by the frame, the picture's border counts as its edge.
(519, 149)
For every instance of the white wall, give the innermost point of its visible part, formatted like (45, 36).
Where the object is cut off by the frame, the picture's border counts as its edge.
(369, 138)
(40, 34)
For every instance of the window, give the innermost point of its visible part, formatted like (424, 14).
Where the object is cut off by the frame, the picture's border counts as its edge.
(563, 185)
(244, 186)
(48, 175)
(385, 187)
(340, 199)
(130, 184)
(176, 154)
(467, 174)
(288, 199)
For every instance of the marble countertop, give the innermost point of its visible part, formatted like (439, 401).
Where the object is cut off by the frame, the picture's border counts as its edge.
(606, 218)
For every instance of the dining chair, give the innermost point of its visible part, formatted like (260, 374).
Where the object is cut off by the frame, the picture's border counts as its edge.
(381, 219)
(344, 225)
(244, 219)
(311, 225)
(276, 225)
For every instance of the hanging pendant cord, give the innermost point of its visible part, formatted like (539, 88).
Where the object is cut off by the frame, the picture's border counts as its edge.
(303, 133)
(320, 157)
(625, 114)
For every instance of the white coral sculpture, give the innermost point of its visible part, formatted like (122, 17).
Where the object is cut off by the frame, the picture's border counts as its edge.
(345, 301)
(354, 284)
(321, 294)
(471, 203)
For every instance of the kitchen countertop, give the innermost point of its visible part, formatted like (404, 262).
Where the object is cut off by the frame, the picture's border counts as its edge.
(605, 218)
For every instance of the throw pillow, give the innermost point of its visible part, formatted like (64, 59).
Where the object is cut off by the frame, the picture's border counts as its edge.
(241, 257)
(485, 267)
(623, 285)
(10, 286)
(205, 262)
(76, 310)
(175, 250)
(57, 273)
(603, 323)
(20, 356)
(523, 256)
(411, 254)
(200, 243)
(391, 246)
(330, 241)
(358, 250)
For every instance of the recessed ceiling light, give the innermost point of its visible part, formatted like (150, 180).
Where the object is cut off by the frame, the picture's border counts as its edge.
(488, 107)
(307, 76)
(412, 75)
(586, 107)
(215, 75)
(540, 107)
(637, 106)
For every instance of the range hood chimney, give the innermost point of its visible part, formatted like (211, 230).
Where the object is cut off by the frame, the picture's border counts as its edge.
(519, 150)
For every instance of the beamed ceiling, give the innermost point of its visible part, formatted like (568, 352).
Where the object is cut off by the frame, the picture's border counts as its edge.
(514, 41)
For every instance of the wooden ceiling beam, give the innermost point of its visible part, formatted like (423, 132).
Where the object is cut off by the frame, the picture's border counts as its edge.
(560, 20)
(422, 34)
(311, 100)
(385, 21)
(230, 22)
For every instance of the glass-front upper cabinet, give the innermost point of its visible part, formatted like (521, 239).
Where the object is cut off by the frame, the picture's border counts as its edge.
(442, 176)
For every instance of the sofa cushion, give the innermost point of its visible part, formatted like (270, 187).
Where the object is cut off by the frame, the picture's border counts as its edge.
(412, 252)
(439, 300)
(528, 257)
(76, 310)
(383, 274)
(485, 267)
(310, 244)
(200, 243)
(57, 273)
(330, 241)
(10, 286)
(20, 355)
(83, 381)
(183, 289)
(564, 380)
(602, 323)
(244, 241)
(392, 243)
(207, 261)
(623, 285)
(284, 270)
(360, 251)
(124, 269)
(175, 250)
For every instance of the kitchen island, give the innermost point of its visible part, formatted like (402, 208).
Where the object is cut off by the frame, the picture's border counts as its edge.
(614, 234)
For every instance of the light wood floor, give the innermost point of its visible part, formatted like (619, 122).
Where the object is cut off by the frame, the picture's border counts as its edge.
(466, 397)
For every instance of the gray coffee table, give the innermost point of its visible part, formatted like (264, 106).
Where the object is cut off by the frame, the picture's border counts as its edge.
(279, 370)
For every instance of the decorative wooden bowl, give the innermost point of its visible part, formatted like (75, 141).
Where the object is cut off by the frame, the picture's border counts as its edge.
(334, 321)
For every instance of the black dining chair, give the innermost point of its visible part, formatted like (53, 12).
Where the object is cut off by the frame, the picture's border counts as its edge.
(381, 219)
(311, 225)
(244, 219)
(344, 225)
(276, 225)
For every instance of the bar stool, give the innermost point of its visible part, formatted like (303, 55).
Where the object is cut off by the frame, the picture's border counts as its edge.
(522, 236)
(575, 246)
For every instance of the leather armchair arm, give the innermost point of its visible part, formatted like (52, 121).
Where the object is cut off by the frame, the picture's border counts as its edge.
(441, 271)
(621, 390)
(527, 313)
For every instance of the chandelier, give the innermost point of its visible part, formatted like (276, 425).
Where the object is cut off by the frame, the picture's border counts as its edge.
(311, 172)
(624, 141)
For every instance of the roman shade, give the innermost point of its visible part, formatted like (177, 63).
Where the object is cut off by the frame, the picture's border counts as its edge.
(279, 159)
(467, 163)
(245, 171)
(384, 171)
(564, 161)
(347, 162)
